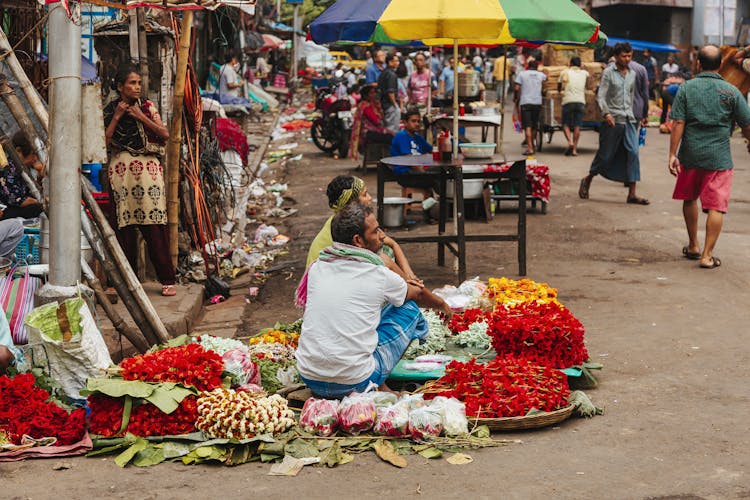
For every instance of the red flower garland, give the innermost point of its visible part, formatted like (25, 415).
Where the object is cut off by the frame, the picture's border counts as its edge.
(505, 387)
(145, 419)
(461, 321)
(190, 365)
(547, 334)
(24, 409)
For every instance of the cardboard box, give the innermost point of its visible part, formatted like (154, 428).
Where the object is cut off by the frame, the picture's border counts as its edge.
(591, 112)
(553, 76)
(552, 56)
(595, 74)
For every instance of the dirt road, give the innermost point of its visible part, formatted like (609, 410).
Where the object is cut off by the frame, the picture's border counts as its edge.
(672, 337)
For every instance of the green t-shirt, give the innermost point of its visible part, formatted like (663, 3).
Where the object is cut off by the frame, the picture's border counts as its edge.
(710, 106)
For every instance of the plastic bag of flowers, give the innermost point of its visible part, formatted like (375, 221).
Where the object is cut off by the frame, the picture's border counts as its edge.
(392, 421)
(425, 423)
(453, 412)
(357, 413)
(240, 366)
(320, 416)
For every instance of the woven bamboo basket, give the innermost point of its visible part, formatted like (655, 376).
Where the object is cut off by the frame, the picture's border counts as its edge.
(526, 422)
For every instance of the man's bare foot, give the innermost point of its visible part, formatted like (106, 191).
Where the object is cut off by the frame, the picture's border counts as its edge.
(385, 388)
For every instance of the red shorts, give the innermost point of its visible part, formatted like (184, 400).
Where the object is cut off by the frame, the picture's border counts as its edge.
(711, 186)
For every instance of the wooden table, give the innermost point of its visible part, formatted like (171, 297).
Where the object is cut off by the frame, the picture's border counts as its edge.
(483, 121)
(442, 172)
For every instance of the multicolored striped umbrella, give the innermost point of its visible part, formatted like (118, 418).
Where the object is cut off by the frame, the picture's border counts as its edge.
(443, 22)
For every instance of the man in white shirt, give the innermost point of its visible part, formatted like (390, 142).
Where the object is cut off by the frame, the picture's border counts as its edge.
(573, 84)
(669, 68)
(349, 341)
(230, 81)
(529, 98)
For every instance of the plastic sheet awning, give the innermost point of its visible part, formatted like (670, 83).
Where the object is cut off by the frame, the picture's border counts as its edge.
(643, 45)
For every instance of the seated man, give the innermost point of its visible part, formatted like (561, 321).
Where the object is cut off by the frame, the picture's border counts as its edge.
(408, 141)
(15, 194)
(28, 155)
(349, 340)
(341, 191)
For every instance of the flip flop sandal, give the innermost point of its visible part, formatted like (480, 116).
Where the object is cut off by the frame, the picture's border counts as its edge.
(690, 255)
(528, 153)
(638, 201)
(583, 190)
(168, 291)
(569, 151)
(715, 262)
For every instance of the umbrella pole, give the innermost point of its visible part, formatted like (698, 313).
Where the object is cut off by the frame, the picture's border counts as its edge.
(430, 136)
(502, 101)
(455, 100)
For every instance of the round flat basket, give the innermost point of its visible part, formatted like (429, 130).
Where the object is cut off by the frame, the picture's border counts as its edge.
(528, 422)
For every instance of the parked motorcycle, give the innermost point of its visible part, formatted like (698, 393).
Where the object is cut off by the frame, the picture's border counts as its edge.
(332, 130)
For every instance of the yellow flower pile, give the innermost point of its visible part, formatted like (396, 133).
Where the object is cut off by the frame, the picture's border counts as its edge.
(508, 292)
(276, 337)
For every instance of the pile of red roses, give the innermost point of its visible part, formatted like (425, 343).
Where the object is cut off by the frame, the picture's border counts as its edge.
(507, 386)
(24, 409)
(145, 419)
(460, 322)
(547, 334)
(190, 365)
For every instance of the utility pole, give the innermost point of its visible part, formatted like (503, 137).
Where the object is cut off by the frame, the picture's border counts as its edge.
(295, 42)
(65, 148)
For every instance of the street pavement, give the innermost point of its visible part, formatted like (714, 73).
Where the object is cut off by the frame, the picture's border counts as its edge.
(672, 338)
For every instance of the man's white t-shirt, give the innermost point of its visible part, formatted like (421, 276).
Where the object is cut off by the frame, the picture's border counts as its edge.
(339, 327)
(531, 86)
(228, 75)
(670, 69)
(574, 88)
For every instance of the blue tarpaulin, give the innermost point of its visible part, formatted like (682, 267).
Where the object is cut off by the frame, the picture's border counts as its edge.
(642, 45)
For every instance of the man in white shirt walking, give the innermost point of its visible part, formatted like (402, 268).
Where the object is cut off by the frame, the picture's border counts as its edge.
(529, 98)
(573, 84)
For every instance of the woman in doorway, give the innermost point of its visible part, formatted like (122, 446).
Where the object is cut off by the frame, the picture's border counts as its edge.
(135, 138)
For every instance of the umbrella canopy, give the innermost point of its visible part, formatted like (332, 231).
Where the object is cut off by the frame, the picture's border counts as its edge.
(272, 42)
(442, 22)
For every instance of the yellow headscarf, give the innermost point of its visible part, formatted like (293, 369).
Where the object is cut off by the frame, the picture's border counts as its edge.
(349, 194)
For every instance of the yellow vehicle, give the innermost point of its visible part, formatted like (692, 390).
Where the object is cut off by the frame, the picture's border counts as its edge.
(345, 59)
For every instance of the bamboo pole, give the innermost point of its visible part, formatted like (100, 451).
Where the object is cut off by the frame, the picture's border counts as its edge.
(118, 256)
(174, 146)
(15, 106)
(23, 81)
(120, 325)
(116, 279)
(143, 50)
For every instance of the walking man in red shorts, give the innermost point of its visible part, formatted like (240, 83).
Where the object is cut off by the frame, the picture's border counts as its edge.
(705, 110)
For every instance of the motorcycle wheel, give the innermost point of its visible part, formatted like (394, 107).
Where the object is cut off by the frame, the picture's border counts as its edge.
(319, 133)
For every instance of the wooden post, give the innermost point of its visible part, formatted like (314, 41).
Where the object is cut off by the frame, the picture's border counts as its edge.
(143, 50)
(118, 256)
(15, 106)
(174, 146)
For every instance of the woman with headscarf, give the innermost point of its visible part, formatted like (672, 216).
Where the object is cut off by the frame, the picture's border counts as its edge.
(135, 137)
(341, 191)
(368, 125)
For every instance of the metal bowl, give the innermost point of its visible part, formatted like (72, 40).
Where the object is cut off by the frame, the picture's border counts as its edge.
(5, 265)
(477, 149)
